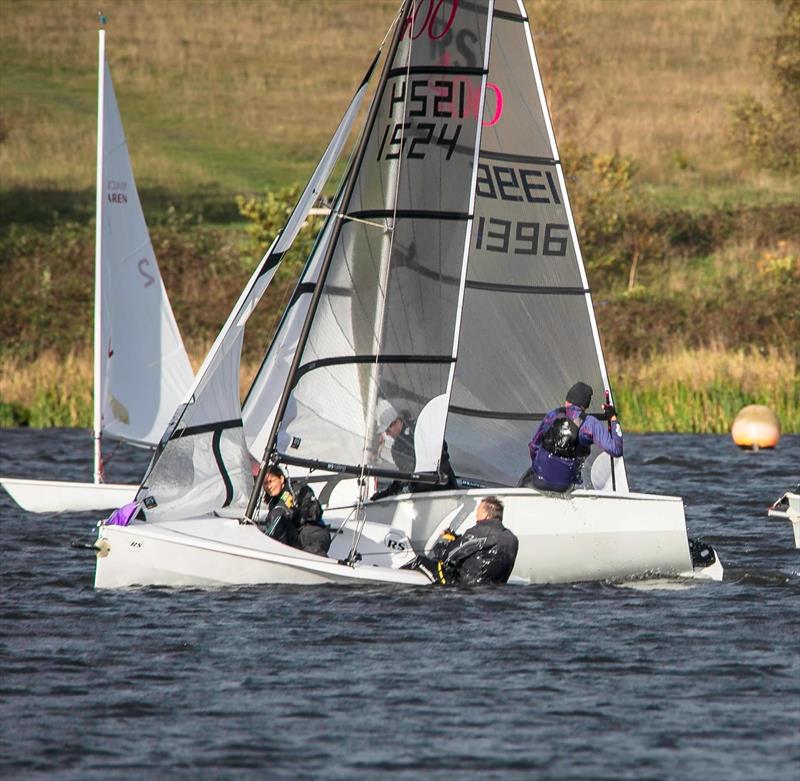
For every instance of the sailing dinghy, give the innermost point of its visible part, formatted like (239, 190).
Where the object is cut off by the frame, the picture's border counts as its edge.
(141, 369)
(788, 509)
(447, 286)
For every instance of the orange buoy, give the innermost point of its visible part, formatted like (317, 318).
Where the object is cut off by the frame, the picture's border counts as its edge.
(756, 427)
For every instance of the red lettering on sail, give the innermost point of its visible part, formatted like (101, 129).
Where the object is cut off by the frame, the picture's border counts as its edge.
(498, 104)
(414, 28)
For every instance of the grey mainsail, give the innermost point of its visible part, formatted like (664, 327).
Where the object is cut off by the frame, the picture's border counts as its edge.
(528, 328)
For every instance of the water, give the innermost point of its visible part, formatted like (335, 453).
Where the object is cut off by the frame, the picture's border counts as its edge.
(591, 681)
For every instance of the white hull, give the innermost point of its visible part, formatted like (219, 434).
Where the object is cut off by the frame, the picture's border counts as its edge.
(54, 496)
(215, 551)
(788, 508)
(584, 536)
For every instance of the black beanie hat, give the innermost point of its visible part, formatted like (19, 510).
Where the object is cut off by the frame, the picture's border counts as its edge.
(581, 394)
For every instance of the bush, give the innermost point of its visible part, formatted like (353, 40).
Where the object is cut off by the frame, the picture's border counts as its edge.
(269, 215)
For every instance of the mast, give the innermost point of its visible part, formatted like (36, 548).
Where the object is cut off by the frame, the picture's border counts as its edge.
(98, 260)
(348, 190)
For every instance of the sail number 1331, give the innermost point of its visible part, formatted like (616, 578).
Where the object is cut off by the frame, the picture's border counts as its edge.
(521, 238)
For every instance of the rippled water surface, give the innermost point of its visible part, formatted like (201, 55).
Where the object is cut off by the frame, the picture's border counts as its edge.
(590, 681)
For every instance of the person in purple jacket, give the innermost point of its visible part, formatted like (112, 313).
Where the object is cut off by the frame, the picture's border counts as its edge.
(565, 437)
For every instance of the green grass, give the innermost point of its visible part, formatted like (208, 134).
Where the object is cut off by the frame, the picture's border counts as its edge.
(236, 97)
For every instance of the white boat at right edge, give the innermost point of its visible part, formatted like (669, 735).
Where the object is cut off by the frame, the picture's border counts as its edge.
(788, 508)
(448, 284)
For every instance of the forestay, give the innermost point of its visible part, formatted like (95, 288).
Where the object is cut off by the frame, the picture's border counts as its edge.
(528, 329)
(203, 462)
(142, 370)
(383, 329)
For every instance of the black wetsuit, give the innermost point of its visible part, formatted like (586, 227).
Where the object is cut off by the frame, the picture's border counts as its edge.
(279, 523)
(483, 554)
(315, 537)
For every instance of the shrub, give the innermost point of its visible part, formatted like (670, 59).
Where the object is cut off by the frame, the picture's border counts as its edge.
(770, 134)
(269, 215)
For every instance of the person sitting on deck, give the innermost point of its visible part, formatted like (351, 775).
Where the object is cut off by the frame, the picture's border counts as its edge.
(278, 522)
(564, 439)
(484, 554)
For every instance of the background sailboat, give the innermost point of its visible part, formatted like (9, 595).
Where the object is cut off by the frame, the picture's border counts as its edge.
(141, 369)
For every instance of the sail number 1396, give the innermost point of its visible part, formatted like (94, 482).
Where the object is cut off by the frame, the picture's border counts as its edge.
(521, 238)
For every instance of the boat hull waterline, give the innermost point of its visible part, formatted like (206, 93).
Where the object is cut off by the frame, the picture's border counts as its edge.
(586, 535)
(51, 496)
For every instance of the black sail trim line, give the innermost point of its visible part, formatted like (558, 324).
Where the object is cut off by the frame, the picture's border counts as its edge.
(508, 16)
(444, 69)
(217, 450)
(357, 469)
(499, 287)
(207, 428)
(409, 214)
(508, 157)
(379, 359)
(479, 413)
(274, 259)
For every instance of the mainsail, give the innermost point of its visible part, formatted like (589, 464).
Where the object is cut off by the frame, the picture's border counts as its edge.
(447, 287)
(142, 371)
(382, 329)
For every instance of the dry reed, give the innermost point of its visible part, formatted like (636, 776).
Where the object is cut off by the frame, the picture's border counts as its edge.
(687, 390)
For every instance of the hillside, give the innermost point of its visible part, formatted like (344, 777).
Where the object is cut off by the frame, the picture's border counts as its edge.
(692, 249)
(229, 97)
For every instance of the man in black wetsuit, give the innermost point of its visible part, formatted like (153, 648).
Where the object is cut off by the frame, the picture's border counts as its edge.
(483, 554)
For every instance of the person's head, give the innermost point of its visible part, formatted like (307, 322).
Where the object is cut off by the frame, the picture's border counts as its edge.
(388, 418)
(395, 428)
(274, 481)
(490, 509)
(580, 394)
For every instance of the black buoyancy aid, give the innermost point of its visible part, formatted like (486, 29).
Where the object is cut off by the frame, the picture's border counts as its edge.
(309, 510)
(561, 439)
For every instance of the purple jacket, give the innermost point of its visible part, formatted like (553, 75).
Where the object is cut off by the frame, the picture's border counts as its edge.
(561, 471)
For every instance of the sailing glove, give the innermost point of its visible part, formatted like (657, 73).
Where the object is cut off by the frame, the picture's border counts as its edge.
(610, 411)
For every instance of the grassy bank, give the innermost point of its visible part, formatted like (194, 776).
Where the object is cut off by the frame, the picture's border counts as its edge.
(692, 250)
(219, 98)
(697, 391)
